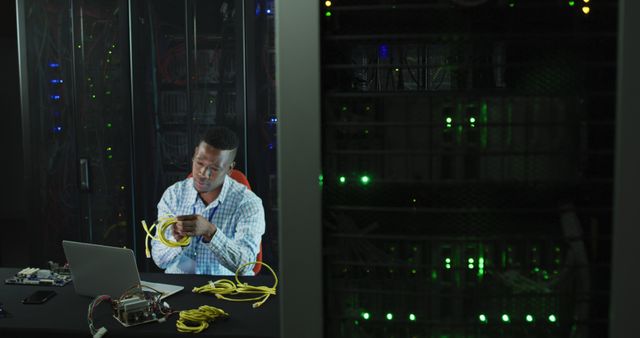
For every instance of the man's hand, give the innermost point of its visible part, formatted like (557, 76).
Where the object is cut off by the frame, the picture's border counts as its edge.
(193, 225)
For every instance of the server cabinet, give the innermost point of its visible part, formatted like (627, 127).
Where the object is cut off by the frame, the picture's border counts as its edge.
(76, 123)
(467, 167)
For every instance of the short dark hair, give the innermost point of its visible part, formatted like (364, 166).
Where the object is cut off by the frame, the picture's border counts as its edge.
(221, 138)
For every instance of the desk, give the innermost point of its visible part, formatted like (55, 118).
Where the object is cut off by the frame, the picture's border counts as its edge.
(65, 314)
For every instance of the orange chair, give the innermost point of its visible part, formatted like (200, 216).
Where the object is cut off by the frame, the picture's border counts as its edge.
(240, 177)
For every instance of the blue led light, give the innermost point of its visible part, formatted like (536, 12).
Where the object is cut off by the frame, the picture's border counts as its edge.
(383, 51)
(55, 97)
(274, 120)
(57, 129)
(56, 81)
(54, 65)
(270, 146)
(268, 11)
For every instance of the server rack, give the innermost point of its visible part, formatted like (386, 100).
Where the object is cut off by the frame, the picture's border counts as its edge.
(467, 167)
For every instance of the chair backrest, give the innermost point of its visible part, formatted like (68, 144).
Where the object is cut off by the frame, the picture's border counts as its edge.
(240, 177)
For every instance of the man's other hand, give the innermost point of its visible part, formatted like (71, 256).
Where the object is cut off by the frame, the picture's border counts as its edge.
(193, 225)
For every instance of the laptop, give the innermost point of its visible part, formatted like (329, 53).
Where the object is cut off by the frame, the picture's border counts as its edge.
(107, 270)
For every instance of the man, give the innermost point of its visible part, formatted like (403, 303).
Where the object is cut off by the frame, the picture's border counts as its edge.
(224, 219)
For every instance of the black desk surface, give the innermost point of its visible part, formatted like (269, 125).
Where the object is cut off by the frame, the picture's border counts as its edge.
(66, 314)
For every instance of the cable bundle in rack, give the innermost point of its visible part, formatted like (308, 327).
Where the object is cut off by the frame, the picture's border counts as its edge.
(225, 288)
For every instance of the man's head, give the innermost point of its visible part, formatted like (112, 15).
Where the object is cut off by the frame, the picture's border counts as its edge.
(213, 158)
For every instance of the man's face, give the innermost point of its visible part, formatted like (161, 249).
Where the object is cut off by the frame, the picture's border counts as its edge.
(209, 167)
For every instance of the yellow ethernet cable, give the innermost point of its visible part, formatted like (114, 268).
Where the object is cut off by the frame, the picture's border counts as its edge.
(162, 224)
(200, 316)
(222, 288)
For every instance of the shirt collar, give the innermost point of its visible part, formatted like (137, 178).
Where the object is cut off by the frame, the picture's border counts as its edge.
(193, 193)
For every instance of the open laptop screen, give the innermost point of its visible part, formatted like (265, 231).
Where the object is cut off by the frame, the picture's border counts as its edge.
(106, 270)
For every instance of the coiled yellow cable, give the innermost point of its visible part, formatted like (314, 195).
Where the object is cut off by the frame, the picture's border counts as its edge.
(162, 224)
(200, 316)
(224, 287)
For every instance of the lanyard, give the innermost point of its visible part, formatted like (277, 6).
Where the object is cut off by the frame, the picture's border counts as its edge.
(210, 218)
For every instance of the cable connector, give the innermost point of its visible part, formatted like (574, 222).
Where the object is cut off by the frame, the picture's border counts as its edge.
(101, 332)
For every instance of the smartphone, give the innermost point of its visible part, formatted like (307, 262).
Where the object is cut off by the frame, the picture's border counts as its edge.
(39, 297)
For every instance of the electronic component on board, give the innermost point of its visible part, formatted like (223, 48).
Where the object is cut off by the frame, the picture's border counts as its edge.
(36, 276)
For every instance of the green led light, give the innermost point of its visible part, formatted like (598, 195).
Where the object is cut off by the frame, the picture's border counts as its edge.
(470, 266)
(571, 3)
(505, 318)
(472, 119)
(109, 125)
(412, 317)
(327, 13)
(529, 318)
(389, 316)
(448, 120)
(108, 92)
(342, 179)
(552, 318)
(365, 315)
(447, 260)
(122, 187)
(448, 266)
(110, 156)
(108, 148)
(93, 96)
(448, 125)
(364, 179)
(413, 271)
(482, 318)
(471, 260)
(110, 52)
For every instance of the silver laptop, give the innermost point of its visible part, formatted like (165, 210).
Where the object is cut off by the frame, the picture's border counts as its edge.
(107, 270)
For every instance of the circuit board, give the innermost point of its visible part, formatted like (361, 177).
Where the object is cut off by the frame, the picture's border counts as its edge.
(36, 276)
(135, 311)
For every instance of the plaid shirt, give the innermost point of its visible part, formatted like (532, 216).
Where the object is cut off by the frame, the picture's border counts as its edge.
(238, 216)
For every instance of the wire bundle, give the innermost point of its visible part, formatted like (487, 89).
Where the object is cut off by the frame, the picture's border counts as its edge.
(200, 316)
(96, 301)
(223, 288)
(162, 224)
